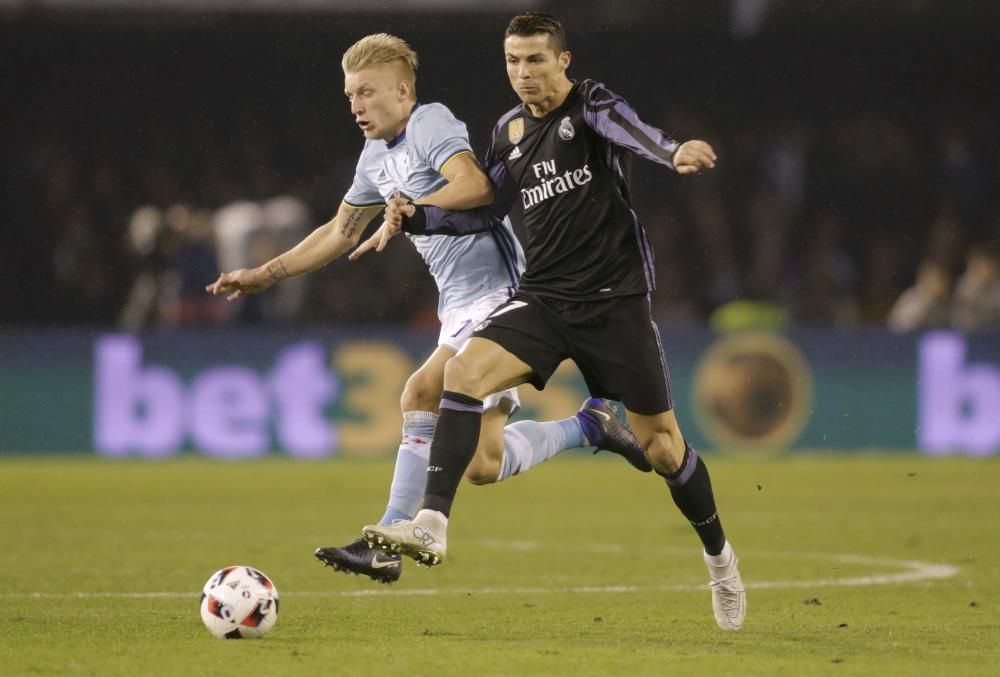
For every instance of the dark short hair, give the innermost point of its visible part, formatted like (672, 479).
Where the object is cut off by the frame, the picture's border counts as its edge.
(533, 23)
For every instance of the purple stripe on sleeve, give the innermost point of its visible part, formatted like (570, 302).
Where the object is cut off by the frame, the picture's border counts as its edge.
(652, 140)
(614, 119)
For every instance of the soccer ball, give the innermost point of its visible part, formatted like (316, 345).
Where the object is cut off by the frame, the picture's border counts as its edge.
(239, 603)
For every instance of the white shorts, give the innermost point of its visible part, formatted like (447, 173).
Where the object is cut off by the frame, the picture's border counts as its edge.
(457, 325)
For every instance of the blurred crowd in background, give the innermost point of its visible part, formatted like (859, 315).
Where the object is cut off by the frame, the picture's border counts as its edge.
(858, 182)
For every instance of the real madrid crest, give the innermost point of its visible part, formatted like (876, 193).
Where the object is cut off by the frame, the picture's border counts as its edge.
(566, 131)
(515, 130)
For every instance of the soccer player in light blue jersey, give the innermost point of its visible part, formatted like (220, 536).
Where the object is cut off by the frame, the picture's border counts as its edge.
(422, 152)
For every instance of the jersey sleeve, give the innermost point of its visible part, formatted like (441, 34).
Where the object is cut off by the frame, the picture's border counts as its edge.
(437, 135)
(429, 220)
(614, 119)
(363, 192)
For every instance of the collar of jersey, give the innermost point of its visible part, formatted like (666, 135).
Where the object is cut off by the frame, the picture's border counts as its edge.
(402, 135)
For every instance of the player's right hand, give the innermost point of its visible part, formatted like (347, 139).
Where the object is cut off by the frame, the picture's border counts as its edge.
(239, 283)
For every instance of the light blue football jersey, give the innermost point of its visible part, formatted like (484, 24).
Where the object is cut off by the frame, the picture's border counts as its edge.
(464, 267)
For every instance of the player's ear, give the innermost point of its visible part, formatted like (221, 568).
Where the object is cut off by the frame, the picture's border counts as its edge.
(404, 89)
(564, 59)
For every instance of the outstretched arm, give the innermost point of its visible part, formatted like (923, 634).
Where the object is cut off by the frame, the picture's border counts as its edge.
(613, 118)
(317, 249)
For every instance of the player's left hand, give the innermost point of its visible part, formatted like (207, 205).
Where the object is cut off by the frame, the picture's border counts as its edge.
(693, 156)
(379, 239)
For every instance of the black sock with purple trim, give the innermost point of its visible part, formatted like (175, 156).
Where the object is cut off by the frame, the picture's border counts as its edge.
(691, 489)
(454, 445)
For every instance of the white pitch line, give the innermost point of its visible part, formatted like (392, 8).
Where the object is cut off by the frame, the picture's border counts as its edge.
(912, 571)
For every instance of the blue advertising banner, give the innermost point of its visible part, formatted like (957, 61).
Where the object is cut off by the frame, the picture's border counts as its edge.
(243, 394)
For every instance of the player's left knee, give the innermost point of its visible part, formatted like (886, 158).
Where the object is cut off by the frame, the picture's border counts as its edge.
(462, 376)
(665, 450)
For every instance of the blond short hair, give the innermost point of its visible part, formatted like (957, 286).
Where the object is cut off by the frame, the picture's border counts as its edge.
(381, 48)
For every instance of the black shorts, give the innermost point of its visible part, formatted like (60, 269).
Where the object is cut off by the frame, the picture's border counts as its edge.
(613, 342)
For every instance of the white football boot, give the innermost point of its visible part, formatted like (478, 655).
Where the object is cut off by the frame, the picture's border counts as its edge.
(729, 599)
(424, 538)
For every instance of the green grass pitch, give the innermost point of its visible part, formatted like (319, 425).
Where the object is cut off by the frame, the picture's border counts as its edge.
(855, 565)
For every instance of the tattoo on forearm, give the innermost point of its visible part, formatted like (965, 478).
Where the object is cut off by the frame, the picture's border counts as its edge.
(352, 222)
(276, 269)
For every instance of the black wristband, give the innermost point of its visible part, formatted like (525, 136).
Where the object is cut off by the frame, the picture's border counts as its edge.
(416, 224)
(674, 155)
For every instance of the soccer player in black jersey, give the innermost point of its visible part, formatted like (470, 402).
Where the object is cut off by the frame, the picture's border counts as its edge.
(585, 293)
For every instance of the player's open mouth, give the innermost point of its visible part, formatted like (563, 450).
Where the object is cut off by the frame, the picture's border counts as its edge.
(365, 125)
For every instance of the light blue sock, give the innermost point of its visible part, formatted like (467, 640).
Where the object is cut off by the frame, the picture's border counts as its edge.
(528, 443)
(391, 514)
(410, 475)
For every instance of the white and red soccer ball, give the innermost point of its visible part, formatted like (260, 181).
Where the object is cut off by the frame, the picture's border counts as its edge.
(239, 602)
